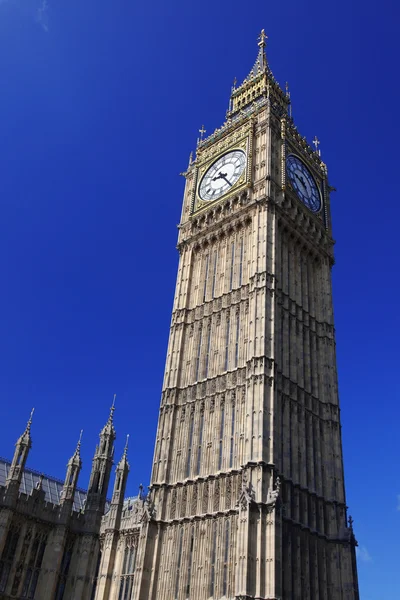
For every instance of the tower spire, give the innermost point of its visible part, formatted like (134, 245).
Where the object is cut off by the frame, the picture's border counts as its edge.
(259, 85)
(22, 447)
(101, 467)
(26, 436)
(73, 469)
(261, 64)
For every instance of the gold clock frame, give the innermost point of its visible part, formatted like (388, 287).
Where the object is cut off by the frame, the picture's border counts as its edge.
(242, 183)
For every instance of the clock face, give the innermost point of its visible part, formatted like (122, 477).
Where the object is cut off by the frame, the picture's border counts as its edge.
(303, 183)
(222, 175)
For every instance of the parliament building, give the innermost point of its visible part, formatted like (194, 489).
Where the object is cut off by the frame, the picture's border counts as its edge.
(247, 497)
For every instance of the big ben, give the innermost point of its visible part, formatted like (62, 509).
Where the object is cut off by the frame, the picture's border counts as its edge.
(247, 496)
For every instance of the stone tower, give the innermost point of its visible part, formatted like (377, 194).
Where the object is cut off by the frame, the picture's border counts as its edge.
(247, 494)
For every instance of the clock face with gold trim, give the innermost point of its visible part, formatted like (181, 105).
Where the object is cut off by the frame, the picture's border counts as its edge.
(222, 175)
(303, 183)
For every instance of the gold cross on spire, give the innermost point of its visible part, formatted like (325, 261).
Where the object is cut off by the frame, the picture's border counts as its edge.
(202, 131)
(262, 37)
(316, 143)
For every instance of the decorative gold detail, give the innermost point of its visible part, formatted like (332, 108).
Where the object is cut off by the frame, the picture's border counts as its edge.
(226, 145)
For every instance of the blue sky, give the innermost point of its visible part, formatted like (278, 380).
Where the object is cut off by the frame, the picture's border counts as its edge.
(100, 106)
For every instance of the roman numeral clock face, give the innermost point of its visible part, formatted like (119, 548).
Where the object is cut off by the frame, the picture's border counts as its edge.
(222, 175)
(303, 183)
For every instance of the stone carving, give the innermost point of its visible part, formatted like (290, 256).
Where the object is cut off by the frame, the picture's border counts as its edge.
(273, 495)
(247, 494)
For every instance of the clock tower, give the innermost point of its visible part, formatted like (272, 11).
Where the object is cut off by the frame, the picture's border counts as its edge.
(247, 495)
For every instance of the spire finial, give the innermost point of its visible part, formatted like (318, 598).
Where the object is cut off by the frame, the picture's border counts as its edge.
(28, 425)
(262, 37)
(126, 446)
(202, 131)
(112, 409)
(78, 446)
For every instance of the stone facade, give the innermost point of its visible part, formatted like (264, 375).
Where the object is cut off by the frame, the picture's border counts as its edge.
(247, 496)
(247, 486)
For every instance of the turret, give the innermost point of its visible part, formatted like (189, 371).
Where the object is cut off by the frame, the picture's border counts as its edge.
(101, 469)
(22, 447)
(71, 479)
(121, 477)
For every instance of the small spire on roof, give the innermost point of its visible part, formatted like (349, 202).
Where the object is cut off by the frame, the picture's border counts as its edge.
(39, 483)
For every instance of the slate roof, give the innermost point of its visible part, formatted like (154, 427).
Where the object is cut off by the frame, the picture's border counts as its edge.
(51, 486)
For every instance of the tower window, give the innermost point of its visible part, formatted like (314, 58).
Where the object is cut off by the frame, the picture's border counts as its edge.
(237, 339)
(190, 564)
(200, 443)
(189, 456)
(228, 327)
(213, 558)
(226, 557)
(232, 440)
(208, 351)
(232, 265)
(199, 353)
(241, 263)
(214, 274)
(178, 564)
(206, 277)
(221, 436)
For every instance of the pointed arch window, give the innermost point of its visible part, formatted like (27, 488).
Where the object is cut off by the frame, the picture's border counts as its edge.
(221, 436)
(34, 564)
(189, 577)
(64, 569)
(208, 351)
(232, 266)
(232, 440)
(237, 338)
(128, 570)
(226, 559)
(241, 262)
(228, 333)
(178, 564)
(206, 277)
(214, 274)
(198, 465)
(199, 353)
(213, 559)
(7, 557)
(189, 455)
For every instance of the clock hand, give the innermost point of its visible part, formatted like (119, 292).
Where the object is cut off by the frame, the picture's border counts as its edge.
(222, 176)
(301, 181)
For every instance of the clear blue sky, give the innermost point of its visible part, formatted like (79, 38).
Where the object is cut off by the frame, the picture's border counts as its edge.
(100, 105)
